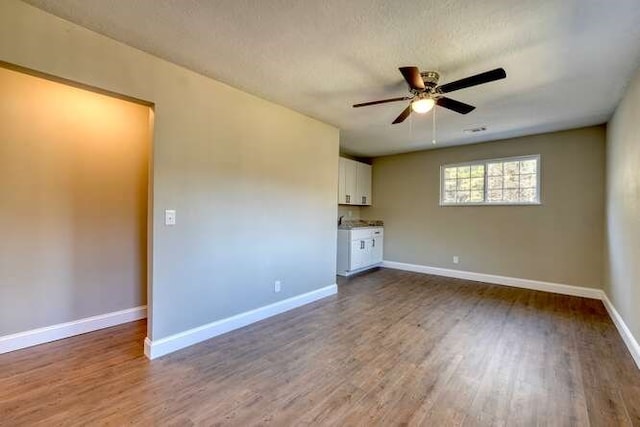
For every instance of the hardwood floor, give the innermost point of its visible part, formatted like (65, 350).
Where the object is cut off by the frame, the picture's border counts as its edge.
(391, 348)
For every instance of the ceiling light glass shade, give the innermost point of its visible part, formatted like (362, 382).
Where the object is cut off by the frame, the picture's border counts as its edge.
(422, 106)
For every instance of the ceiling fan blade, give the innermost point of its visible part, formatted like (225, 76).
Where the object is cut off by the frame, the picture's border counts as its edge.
(457, 106)
(382, 101)
(405, 113)
(413, 77)
(478, 79)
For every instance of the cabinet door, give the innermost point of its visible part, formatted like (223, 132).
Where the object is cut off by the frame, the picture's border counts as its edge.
(342, 189)
(358, 256)
(350, 183)
(363, 190)
(377, 244)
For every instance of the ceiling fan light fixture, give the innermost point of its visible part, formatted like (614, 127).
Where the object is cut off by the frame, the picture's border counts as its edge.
(423, 105)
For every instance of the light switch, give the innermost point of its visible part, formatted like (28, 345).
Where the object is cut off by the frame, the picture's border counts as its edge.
(170, 217)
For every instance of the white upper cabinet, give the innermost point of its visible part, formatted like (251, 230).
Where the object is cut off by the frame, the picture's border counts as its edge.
(347, 184)
(363, 185)
(354, 183)
(351, 181)
(342, 182)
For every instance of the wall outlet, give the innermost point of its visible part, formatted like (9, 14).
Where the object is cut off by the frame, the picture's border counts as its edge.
(170, 217)
(456, 260)
(349, 214)
(277, 286)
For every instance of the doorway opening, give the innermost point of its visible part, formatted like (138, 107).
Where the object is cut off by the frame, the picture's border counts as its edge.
(75, 192)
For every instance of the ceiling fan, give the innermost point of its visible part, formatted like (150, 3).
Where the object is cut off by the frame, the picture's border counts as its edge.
(425, 92)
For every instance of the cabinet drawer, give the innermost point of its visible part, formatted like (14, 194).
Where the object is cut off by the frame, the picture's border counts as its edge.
(377, 232)
(363, 233)
(366, 233)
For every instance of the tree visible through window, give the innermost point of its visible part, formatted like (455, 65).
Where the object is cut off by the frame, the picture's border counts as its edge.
(513, 180)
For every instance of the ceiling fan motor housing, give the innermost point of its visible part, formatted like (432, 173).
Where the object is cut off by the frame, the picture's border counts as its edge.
(430, 78)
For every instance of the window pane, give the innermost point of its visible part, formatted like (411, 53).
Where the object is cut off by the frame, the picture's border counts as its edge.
(495, 169)
(477, 184)
(450, 185)
(511, 195)
(495, 182)
(511, 181)
(511, 168)
(462, 196)
(528, 166)
(528, 181)
(494, 196)
(464, 171)
(449, 173)
(449, 197)
(477, 171)
(477, 196)
(528, 195)
(464, 184)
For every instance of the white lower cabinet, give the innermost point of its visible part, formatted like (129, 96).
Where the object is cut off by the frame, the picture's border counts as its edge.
(357, 255)
(359, 249)
(376, 249)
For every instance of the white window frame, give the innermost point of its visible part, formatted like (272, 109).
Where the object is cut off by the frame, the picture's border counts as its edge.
(485, 162)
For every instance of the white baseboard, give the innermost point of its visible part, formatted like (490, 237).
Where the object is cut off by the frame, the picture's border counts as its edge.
(160, 347)
(65, 330)
(623, 329)
(537, 285)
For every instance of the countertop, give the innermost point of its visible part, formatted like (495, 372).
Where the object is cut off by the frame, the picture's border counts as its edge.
(350, 224)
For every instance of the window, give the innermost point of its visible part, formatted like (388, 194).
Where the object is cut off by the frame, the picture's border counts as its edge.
(510, 181)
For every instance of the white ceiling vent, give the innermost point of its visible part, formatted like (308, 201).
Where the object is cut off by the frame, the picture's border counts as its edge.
(475, 130)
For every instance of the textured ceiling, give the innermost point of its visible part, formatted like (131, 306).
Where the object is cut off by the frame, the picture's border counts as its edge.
(567, 61)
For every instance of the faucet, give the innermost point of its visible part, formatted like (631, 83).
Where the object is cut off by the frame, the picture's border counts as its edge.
(340, 220)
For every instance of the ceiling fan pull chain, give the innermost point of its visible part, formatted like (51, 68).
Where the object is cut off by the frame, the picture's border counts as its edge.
(411, 128)
(433, 141)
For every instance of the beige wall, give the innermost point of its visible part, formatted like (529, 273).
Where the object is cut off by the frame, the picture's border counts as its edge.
(74, 202)
(559, 241)
(227, 161)
(622, 253)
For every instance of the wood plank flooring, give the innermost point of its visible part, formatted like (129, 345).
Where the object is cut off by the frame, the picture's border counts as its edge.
(392, 348)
